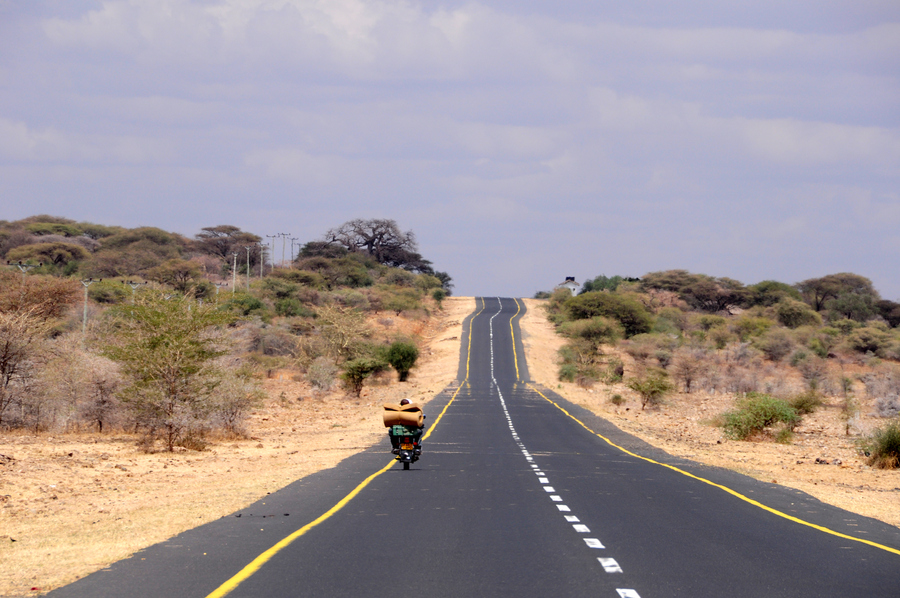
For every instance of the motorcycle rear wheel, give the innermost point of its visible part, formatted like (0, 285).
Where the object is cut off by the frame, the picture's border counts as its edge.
(406, 466)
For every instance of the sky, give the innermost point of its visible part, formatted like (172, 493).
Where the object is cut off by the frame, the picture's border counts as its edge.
(521, 141)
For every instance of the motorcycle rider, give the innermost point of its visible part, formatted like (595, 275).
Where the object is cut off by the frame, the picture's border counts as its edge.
(395, 440)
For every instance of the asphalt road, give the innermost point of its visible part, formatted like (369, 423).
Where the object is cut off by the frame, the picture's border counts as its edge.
(518, 493)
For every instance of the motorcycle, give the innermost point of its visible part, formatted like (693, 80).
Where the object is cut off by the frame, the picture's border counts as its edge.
(409, 445)
(405, 423)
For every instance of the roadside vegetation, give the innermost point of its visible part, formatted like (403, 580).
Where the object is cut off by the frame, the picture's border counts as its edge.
(778, 349)
(142, 331)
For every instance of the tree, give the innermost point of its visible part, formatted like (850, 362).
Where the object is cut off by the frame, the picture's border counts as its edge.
(224, 240)
(178, 274)
(382, 239)
(793, 314)
(58, 254)
(357, 370)
(818, 291)
(698, 290)
(166, 348)
(601, 283)
(629, 312)
(402, 356)
(594, 331)
(22, 335)
(652, 387)
(770, 292)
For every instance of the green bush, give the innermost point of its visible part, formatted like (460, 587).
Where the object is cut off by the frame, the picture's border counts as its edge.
(870, 338)
(776, 344)
(652, 387)
(402, 356)
(794, 314)
(807, 402)
(357, 370)
(634, 317)
(567, 372)
(291, 307)
(757, 412)
(883, 446)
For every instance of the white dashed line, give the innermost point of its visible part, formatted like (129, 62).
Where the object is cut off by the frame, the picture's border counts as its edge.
(610, 565)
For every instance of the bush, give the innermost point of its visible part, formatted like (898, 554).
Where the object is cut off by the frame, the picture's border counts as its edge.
(757, 412)
(402, 356)
(883, 446)
(357, 370)
(617, 400)
(652, 387)
(321, 373)
(794, 314)
(807, 402)
(567, 372)
(633, 316)
(870, 339)
(776, 344)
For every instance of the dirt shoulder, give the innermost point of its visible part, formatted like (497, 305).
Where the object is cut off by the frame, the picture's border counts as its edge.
(683, 427)
(72, 504)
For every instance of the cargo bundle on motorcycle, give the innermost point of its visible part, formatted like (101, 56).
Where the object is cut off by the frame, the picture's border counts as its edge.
(405, 426)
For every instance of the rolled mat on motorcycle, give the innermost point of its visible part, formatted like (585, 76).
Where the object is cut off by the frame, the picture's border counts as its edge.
(405, 425)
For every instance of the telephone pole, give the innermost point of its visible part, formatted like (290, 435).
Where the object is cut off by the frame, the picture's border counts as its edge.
(273, 248)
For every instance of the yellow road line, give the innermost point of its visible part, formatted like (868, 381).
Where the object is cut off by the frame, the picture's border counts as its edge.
(721, 487)
(513, 334)
(261, 560)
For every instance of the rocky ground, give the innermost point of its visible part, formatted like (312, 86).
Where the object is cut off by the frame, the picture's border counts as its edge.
(71, 504)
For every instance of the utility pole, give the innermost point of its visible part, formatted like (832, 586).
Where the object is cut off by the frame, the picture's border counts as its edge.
(233, 272)
(273, 248)
(219, 285)
(248, 248)
(284, 237)
(292, 249)
(262, 258)
(134, 286)
(23, 267)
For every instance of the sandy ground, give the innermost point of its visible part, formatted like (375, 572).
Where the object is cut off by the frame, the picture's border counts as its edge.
(682, 427)
(73, 504)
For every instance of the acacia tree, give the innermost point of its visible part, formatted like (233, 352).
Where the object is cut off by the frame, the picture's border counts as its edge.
(167, 350)
(224, 240)
(22, 335)
(819, 291)
(382, 239)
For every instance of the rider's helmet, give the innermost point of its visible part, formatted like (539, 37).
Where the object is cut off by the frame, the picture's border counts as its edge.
(404, 402)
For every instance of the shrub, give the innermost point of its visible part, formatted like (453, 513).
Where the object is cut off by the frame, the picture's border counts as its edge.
(567, 372)
(321, 373)
(883, 446)
(688, 366)
(748, 326)
(870, 338)
(290, 307)
(614, 371)
(757, 412)
(652, 387)
(357, 370)
(794, 314)
(776, 344)
(807, 402)
(633, 316)
(617, 400)
(402, 356)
